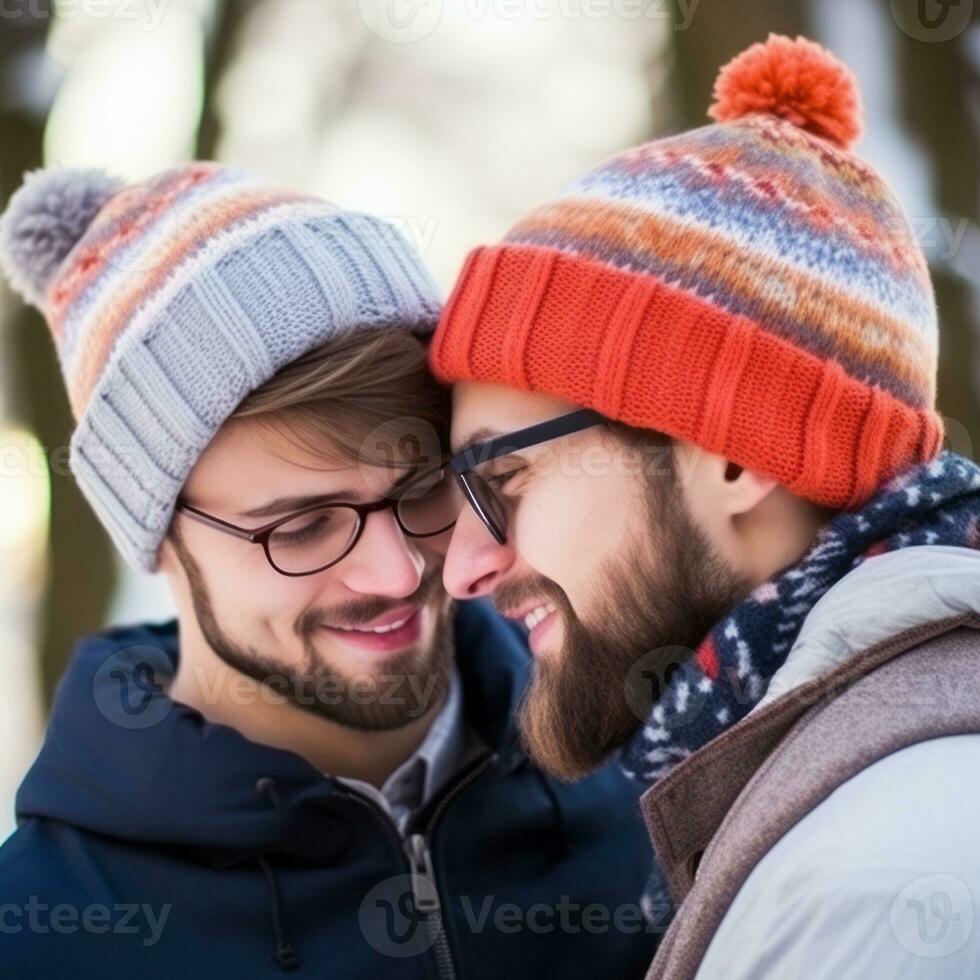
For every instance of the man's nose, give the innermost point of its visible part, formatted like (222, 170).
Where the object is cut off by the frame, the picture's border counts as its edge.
(475, 563)
(384, 561)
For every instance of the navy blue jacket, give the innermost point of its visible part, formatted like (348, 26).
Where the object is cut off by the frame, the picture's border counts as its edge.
(153, 843)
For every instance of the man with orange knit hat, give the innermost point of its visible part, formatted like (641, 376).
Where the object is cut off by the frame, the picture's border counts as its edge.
(694, 421)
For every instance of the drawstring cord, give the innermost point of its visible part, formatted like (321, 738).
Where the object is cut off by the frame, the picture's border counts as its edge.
(285, 956)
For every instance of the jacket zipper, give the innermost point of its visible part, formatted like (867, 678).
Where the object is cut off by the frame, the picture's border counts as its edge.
(424, 887)
(417, 849)
(426, 896)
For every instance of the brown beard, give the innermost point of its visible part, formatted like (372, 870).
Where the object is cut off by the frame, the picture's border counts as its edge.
(586, 701)
(366, 702)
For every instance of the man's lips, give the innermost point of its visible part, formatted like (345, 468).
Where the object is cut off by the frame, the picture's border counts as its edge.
(381, 624)
(401, 632)
(522, 612)
(538, 616)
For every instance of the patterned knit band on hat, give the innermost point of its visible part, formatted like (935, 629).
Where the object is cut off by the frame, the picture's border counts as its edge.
(171, 301)
(750, 286)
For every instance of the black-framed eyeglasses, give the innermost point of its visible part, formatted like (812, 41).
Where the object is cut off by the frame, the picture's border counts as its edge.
(479, 493)
(316, 537)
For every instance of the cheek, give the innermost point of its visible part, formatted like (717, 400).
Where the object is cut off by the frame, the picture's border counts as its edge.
(250, 597)
(568, 527)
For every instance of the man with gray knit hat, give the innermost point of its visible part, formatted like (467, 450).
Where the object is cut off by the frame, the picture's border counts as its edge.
(315, 767)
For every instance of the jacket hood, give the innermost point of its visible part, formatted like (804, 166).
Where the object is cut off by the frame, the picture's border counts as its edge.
(121, 758)
(882, 597)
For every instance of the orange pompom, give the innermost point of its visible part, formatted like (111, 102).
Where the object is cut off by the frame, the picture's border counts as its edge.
(798, 80)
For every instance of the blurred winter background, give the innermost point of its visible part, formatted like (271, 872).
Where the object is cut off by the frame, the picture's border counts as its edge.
(449, 117)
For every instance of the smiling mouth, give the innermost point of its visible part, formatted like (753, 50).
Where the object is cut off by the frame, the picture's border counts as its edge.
(393, 619)
(397, 624)
(397, 634)
(538, 620)
(537, 614)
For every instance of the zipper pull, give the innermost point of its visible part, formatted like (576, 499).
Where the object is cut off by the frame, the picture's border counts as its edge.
(423, 879)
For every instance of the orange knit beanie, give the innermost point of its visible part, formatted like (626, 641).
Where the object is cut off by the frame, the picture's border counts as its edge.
(750, 286)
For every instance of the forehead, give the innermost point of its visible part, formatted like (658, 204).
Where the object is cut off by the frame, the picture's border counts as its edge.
(247, 465)
(485, 410)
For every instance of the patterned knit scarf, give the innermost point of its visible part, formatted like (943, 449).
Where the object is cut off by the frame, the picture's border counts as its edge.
(934, 503)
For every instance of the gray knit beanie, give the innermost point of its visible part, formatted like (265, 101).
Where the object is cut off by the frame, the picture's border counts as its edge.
(170, 301)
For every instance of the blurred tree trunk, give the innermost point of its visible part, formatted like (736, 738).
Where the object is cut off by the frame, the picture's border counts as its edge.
(708, 35)
(940, 95)
(227, 19)
(81, 575)
(80, 569)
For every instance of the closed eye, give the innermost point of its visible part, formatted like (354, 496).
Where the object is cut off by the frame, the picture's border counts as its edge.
(500, 480)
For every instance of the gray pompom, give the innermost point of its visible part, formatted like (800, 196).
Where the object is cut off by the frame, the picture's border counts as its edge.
(45, 219)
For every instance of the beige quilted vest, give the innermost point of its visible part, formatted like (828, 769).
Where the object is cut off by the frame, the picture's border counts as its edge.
(722, 809)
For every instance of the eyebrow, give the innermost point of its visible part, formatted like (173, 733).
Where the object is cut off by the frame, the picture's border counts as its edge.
(486, 445)
(283, 505)
(475, 440)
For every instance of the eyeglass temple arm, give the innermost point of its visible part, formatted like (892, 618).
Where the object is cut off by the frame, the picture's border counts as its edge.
(531, 436)
(216, 522)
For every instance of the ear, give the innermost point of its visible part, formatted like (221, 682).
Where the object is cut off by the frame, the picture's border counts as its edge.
(717, 485)
(742, 489)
